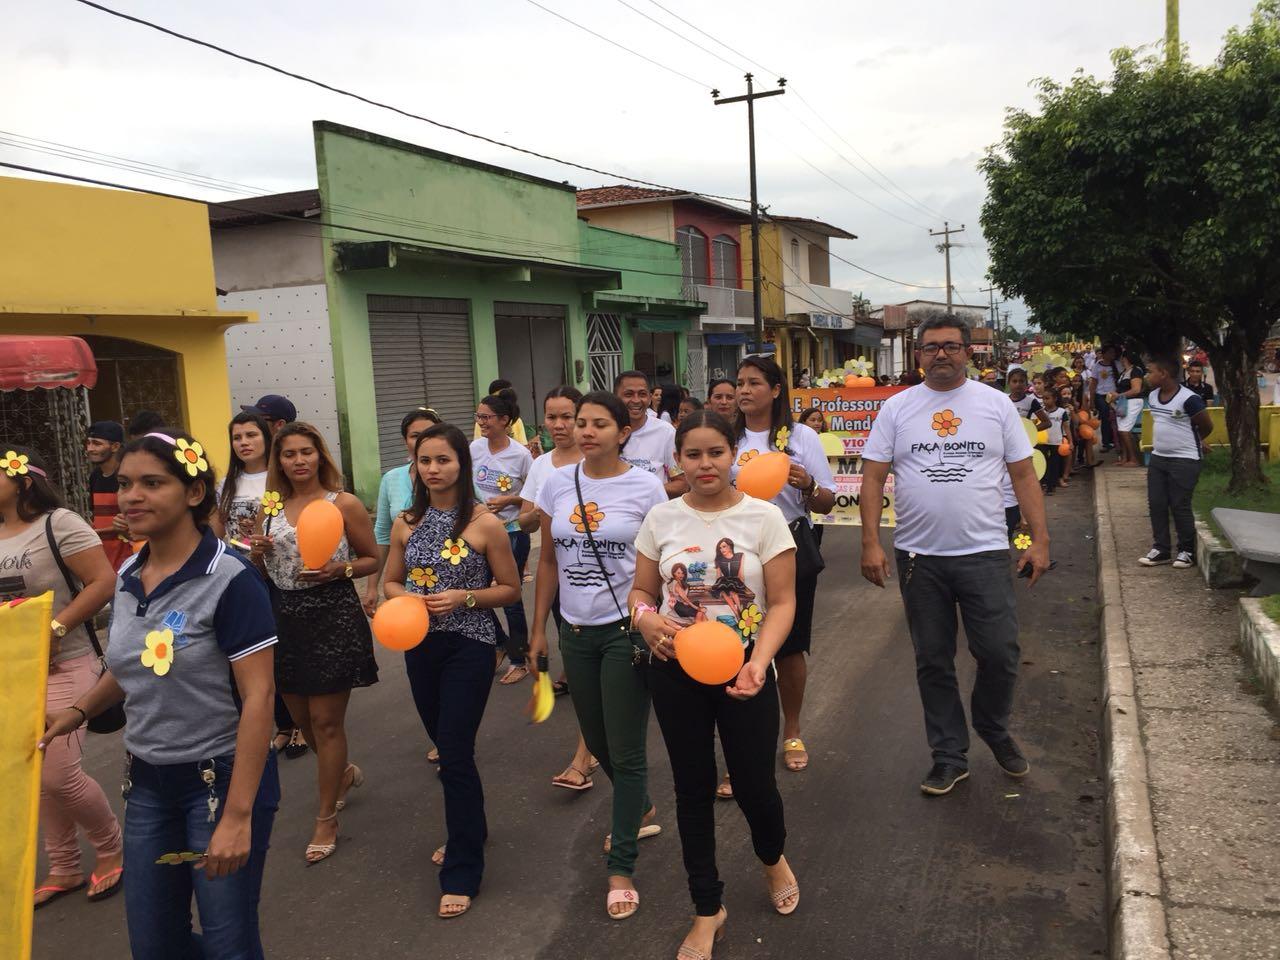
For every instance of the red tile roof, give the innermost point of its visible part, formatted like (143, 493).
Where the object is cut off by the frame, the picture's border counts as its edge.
(621, 193)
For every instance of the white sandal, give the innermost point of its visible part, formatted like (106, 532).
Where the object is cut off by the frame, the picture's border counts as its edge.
(324, 850)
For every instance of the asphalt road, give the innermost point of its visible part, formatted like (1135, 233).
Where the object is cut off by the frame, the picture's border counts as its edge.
(998, 869)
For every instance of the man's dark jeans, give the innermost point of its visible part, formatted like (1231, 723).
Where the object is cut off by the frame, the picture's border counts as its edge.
(1170, 483)
(1103, 410)
(981, 585)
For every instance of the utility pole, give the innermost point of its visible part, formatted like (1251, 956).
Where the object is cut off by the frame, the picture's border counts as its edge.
(1172, 40)
(995, 323)
(945, 247)
(750, 98)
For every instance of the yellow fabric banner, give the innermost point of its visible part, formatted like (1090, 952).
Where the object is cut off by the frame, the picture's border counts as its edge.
(24, 631)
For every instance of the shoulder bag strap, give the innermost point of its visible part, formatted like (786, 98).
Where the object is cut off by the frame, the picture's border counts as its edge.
(71, 580)
(591, 541)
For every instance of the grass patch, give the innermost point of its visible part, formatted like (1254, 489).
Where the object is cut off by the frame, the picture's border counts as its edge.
(1211, 491)
(1271, 606)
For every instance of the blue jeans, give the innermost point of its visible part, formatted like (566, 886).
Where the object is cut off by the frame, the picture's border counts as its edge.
(515, 639)
(167, 811)
(450, 676)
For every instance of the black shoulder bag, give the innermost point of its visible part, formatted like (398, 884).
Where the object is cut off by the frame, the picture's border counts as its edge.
(111, 719)
(637, 652)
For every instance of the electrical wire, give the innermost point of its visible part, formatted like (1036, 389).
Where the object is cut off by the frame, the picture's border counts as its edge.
(601, 36)
(382, 105)
(736, 53)
(849, 190)
(671, 30)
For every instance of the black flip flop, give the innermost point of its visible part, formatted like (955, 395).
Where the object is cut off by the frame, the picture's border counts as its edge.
(58, 892)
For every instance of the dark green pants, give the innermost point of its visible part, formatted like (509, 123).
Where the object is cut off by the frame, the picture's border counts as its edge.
(612, 705)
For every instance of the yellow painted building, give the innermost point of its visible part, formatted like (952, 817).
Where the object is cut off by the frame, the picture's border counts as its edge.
(133, 275)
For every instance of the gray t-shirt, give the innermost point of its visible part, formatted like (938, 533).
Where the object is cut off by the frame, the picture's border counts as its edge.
(28, 569)
(171, 651)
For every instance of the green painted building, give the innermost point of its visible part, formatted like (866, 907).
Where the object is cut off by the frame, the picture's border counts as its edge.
(439, 274)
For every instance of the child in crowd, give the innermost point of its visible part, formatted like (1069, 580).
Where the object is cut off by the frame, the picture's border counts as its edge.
(1028, 406)
(1059, 424)
(1180, 423)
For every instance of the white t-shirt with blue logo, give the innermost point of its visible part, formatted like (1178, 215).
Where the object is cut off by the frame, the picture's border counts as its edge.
(653, 448)
(500, 474)
(949, 450)
(1172, 432)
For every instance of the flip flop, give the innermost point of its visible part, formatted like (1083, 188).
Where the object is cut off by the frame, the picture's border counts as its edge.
(112, 890)
(622, 896)
(514, 674)
(465, 904)
(648, 830)
(795, 745)
(57, 892)
(725, 790)
(568, 783)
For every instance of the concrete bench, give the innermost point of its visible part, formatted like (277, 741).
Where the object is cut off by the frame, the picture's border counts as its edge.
(1255, 536)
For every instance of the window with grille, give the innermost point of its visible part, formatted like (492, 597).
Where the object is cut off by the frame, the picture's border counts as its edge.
(693, 254)
(795, 256)
(604, 349)
(724, 261)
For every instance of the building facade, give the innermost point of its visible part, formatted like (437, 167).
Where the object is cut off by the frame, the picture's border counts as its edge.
(132, 275)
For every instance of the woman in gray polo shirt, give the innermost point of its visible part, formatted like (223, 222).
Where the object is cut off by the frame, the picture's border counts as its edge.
(201, 784)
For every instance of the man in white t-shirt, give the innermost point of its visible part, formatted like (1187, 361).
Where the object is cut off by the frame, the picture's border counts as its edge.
(950, 442)
(652, 443)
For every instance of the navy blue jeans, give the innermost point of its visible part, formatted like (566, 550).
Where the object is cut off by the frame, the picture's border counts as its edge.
(167, 811)
(451, 676)
(515, 639)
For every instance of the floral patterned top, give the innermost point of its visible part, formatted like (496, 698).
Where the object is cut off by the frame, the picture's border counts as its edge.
(283, 561)
(436, 562)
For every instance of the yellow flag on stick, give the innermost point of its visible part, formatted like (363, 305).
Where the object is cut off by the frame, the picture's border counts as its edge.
(24, 630)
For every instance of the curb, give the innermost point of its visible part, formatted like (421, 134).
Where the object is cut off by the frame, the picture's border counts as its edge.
(1138, 927)
(1218, 564)
(1260, 638)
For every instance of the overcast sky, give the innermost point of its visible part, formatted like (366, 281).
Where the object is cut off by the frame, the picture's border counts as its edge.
(918, 88)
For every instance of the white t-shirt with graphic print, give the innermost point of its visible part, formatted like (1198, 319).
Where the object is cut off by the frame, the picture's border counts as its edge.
(948, 450)
(712, 564)
(615, 508)
(500, 474)
(653, 448)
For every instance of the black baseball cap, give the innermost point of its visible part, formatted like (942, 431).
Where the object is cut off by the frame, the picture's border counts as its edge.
(107, 430)
(275, 407)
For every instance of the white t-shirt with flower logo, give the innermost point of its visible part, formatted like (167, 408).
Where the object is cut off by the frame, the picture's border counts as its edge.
(615, 507)
(948, 450)
(806, 450)
(712, 564)
(500, 474)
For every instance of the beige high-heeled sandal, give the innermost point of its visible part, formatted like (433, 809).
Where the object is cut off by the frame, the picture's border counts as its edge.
(357, 780)
(687, 952)
(322, 851)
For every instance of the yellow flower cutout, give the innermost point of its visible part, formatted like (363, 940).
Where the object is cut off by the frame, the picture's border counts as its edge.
(1022, 541)
(14, 464)
(747, 456)
(159, 653)
(191, 456)
(504, 483)
(749, 620)
(271, 503)
(946, 423)
(784, 435)
(454, 551)
(588, 521)
(423, 577)
(179, 857)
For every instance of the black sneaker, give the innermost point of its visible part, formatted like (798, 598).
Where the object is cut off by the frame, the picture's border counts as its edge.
(942, 778)
(1010, 758)
(1155, 558)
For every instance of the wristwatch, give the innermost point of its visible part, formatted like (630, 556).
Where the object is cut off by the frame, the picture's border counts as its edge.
(470, 602)
(349, 571)
(59, 630)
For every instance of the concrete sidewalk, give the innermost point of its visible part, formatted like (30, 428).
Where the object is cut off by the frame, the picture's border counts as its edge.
(1194, 818)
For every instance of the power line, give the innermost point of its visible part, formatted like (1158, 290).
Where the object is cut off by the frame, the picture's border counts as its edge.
(383, 105)
(677, 33)
(848, 189)
(601, 36)
(715, 39)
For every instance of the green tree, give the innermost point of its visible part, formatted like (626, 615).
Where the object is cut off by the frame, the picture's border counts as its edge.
(1148, 207)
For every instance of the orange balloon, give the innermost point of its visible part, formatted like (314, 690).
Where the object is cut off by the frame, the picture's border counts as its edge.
(1085, 431)
(763, 477)
(851, 380)
(866, 382)
(319, 530)
(1064, 448)
(401, 623)
(709, 652)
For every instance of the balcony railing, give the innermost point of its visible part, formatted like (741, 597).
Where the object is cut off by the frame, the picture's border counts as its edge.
(724, 304)
(811, 298)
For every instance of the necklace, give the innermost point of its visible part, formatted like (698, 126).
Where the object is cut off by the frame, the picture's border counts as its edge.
(710, 518)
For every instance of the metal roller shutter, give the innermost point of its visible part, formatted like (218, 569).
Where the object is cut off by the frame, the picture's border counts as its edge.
(421, 351)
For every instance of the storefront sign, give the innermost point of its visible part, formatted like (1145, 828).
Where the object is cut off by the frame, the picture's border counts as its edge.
(830, 321)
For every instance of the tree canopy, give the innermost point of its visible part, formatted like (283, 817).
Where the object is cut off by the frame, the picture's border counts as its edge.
(1147, 207)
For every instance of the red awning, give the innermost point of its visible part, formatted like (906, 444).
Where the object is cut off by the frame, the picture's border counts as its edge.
(48, 362)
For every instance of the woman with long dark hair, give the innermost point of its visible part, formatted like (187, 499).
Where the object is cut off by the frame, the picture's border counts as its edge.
(668, 408)
(591, 513)
(36, 529)
(753, 537)
(326, 648)
(453, 552)
(722, 397)
(499, 468)
(191, 645)
(764, 426)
